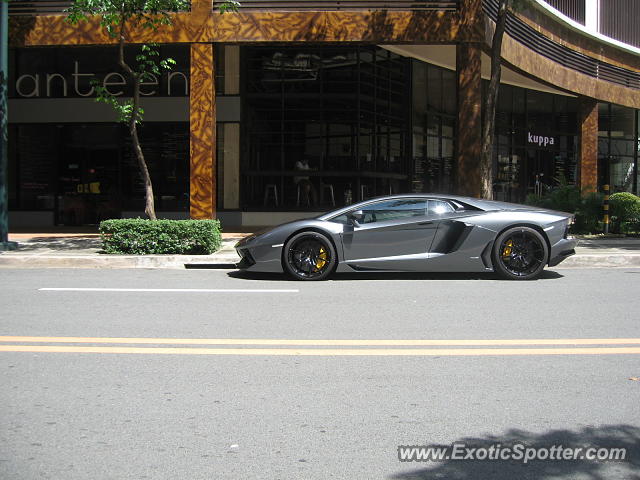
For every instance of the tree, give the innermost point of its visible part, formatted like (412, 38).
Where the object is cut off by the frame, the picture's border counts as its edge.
(119, 18)
(491, 99)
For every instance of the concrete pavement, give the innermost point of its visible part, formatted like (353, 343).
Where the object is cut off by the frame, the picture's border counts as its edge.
(79, 416)
(82, 250)
(603, 252)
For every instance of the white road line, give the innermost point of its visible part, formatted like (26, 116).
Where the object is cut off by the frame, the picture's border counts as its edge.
(177, 290)
(330, 342)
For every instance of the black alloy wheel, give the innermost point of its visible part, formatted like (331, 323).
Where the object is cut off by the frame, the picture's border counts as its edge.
(520, 253)
(309, 256)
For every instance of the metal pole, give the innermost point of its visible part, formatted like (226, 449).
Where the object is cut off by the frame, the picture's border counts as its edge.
(605, 208)
(5, 244)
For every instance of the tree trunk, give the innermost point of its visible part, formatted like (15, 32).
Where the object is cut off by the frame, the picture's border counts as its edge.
(149, 208)
(489, 111)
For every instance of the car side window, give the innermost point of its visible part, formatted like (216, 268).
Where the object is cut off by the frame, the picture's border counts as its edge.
(340, 219)
(398, 208)
(439, 207)
(394, 210)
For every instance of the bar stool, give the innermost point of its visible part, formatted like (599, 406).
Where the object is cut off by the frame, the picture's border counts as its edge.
(327, 186)
(270, 188)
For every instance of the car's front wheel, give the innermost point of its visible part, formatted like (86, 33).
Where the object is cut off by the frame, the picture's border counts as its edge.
(309, 256)
(520, 253)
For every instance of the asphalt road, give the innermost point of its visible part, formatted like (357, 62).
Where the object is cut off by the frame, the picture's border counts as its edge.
(164, 408)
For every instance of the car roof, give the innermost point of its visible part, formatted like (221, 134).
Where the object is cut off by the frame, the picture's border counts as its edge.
(479, 203)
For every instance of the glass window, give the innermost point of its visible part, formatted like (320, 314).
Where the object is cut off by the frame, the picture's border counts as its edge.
(390, 210)
(394, 209)
(622, 122)
(434, 128)
(419, 92)
(36, 150)
(342, 108)
(622, 173)
(434, 94)
(439, 207)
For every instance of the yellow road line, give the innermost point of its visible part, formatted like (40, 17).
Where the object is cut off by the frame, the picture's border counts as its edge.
(448, 352)
(328, 342)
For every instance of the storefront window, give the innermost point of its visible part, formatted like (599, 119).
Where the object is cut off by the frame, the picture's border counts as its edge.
(637, 155)
(33, 164)
(88, 173)
(536, 143)
(337, 113)
(166, 149)
(618, 147)
(434, 120)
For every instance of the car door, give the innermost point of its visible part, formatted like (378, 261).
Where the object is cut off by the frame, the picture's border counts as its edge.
(392, 235)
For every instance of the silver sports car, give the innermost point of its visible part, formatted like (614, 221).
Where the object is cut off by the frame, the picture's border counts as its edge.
(415, 233)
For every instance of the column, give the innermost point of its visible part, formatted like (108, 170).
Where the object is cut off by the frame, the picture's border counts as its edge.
(469, 138)
(202, 148)
(588, 144)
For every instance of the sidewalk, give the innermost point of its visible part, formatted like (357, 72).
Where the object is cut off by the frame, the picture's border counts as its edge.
(604, 252)
(82, 250)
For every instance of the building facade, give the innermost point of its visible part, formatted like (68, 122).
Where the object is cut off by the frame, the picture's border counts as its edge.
(354, 99)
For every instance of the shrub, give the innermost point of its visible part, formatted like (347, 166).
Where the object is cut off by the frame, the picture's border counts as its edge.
(587, 208)
(589, 214)
(140, 237)
(624, 208)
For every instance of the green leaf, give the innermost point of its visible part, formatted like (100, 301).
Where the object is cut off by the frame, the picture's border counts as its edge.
(229, 6)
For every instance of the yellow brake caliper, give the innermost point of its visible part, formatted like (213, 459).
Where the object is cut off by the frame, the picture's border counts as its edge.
(322, 259)
(506, 251)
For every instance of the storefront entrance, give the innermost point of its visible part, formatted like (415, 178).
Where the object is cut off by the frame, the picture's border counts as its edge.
(539, 172)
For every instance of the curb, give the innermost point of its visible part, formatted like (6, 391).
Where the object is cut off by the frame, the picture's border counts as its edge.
(228, 260)
(119, 261)
(601, 261)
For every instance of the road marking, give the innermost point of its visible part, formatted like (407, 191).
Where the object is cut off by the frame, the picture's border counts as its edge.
(433, 352)
(177, 290)
(327, 342)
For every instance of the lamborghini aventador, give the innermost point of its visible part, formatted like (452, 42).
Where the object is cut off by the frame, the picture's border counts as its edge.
(415, 233)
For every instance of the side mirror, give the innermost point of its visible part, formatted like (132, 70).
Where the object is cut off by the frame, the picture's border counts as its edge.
(355, 217)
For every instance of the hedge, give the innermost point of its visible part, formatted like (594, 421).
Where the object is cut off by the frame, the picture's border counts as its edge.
(625, 210)
(140, 237)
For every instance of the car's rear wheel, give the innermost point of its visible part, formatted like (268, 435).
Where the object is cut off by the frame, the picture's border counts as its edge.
(309, 256)
(520, 253)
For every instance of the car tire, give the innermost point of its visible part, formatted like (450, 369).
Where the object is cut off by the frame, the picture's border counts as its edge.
(309, 256)
(520, 253)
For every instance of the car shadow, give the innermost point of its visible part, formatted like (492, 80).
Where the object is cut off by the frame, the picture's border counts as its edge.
(398, 276)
